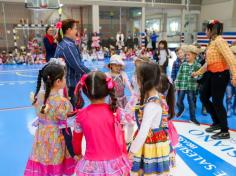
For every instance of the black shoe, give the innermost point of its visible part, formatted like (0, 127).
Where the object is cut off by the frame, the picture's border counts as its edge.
(221, 135)
(180, 113)
(195, 122)
(212, 128)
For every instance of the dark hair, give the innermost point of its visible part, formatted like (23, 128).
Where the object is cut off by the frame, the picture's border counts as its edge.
(166, 86)
(96, 88)
(47, 28)
(66, 24)
(49, 73)
(164, 42)
(148, 75)
(215, 27)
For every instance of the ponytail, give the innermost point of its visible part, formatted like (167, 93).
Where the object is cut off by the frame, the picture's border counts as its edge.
(47, 93)
(113, 104)
(39, 80)
(170, 99)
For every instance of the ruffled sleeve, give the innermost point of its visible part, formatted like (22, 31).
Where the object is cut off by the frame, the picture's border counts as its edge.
(63, 109)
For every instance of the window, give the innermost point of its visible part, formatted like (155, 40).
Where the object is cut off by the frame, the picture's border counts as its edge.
(173, 25)
(153, 25)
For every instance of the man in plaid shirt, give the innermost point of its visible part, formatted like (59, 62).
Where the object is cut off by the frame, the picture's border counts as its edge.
(186, 84)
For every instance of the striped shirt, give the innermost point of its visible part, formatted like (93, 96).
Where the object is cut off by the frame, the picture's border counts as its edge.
(75, 68)
(219, 58)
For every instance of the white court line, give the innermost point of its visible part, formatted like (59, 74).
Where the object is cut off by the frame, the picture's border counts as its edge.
(23, 75)
(15, 108)
(9, 71)
(2, 82)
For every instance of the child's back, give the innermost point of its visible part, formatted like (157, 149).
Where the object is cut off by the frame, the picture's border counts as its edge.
(97, 122)
(104, 138)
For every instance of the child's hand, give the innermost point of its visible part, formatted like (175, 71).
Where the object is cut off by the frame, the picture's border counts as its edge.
(77, 158)
(194, 74)
(131, 156)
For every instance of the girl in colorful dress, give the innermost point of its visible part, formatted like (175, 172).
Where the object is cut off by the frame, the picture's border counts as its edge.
(120, 78)
(96, 41)
(49, 155)
(98, 121)
(150, 150)
(167, 90)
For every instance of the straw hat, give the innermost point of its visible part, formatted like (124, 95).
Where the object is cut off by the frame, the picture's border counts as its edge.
(141, 58)
(233, 49)
(116, 59)
(192, 49)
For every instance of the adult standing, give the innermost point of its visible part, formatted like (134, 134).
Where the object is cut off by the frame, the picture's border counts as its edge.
(219, 60)
(154, 37)
(69, 51)
(50, 43)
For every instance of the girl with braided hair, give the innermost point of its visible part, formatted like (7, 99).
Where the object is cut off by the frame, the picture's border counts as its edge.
(49, 155)
(99, 122)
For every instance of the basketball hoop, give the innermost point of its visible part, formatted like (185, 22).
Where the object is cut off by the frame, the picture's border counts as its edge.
(42, 4)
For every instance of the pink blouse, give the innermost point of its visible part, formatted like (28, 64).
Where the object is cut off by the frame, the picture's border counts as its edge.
(97, 124)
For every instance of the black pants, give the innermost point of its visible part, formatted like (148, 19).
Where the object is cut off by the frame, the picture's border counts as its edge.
(154, 46)
(72, 96)
(214, 87)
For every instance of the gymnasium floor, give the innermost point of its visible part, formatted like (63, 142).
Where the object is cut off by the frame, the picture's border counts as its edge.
(197, 154)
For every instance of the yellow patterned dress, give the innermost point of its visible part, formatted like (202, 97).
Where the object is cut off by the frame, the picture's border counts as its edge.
(49, 155)
(156, 157)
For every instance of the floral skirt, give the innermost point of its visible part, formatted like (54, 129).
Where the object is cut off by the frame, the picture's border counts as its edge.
(156, 157)
(116, 167)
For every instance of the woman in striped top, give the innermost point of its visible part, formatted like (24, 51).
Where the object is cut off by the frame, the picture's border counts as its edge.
(219, 60)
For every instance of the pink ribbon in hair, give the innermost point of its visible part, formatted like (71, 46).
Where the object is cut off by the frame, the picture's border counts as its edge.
(81, 83)
(110, 83)
(59, 25)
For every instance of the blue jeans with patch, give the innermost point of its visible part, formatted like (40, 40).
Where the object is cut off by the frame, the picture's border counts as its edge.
(231, 96)
(190, 96)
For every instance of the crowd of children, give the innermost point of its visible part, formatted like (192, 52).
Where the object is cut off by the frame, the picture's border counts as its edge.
(109, 121)
(102, 123)
(12, 58)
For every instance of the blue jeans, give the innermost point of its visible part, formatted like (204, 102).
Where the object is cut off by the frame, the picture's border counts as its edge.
(230, 95)
(191, 97)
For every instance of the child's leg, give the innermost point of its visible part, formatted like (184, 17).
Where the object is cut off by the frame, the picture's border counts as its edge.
(234, 95)
(190, 96)
(229, 95)
(180, 103)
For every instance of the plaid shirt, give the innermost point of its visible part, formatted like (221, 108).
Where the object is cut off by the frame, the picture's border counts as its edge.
(75, 68)
(219, 57)
(175, 68)
(184, 80)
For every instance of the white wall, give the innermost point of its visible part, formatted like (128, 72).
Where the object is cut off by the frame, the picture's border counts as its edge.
(218, 9)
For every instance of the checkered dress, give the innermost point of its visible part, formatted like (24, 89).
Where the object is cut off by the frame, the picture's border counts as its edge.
(184, 80)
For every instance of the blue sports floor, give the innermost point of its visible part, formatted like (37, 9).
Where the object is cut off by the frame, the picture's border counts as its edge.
(16, 114)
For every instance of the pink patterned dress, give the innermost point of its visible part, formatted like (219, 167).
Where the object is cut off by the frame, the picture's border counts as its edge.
(49, 155)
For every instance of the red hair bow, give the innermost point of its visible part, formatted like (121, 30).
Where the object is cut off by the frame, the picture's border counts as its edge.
(59, 25)
(214, 22)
